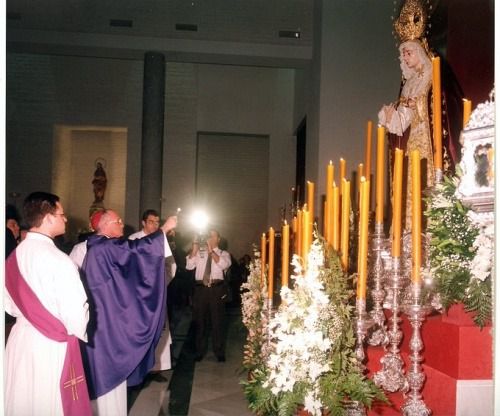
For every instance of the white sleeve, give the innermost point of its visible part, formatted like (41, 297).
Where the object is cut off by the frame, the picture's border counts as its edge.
(72, 300)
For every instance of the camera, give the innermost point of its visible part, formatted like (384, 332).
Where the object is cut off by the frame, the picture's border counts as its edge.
(201, 240)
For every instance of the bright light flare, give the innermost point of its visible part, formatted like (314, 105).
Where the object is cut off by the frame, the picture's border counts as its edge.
(199, 219)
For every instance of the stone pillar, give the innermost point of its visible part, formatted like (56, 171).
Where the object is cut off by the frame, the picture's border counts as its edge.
(153, 108)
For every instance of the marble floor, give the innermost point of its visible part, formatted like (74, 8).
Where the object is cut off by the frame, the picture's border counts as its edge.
(205, 388)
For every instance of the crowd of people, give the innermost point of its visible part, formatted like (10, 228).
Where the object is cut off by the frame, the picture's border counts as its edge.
(108, 298)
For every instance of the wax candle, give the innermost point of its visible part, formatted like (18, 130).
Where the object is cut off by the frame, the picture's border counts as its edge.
(306, 237)
(342, 169)
(335, 218)
(368, 150)
(363, 240)
(437, 128)
(298, 243)
(397, 203)
(329, 201)
(467, 111)
(379, 200)
(262, 258)
(270, 279)
(310, 198)
(346, 211)
(416, 217)
(285, 254)
(360, 175)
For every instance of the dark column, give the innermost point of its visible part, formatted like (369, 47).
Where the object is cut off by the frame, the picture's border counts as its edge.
(153, 108)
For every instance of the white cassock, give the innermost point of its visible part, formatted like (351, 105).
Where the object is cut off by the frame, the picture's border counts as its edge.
(33, 363)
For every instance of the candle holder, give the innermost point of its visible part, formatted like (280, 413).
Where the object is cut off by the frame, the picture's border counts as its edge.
(379, 335)
(363, 322)
(354, 408)
(391, 377)
(416, 311)
(269, 318)
(439, 175)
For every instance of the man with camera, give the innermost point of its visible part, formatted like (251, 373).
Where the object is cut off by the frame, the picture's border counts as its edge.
(210, 291)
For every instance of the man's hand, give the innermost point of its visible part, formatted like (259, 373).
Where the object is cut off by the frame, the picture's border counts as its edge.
(169, 224)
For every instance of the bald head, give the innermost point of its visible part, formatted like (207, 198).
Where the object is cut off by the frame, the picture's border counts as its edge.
(110, 224)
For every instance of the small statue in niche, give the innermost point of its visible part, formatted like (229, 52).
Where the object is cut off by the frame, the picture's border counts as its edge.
(482, 156)
(99, 182)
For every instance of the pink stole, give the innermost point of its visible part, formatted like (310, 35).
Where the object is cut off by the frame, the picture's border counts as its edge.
(74, 393)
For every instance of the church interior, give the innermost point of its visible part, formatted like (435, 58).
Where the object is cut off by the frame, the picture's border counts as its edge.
(236, 108)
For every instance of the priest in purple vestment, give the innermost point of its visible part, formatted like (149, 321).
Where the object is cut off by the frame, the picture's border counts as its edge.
(125, 285)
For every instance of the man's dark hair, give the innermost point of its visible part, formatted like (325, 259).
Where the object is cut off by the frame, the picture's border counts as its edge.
(149, 212)
(11, 213)
(37, 205)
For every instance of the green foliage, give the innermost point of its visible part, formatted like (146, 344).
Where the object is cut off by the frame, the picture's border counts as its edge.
(452, 251)
(344, 382)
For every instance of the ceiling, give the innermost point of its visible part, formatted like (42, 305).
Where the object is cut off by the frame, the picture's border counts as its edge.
(225, 31)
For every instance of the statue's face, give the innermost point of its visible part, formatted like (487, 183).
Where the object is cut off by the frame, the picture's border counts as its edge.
(410, 57)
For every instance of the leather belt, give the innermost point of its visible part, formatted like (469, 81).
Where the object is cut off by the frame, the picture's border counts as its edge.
(215, 282)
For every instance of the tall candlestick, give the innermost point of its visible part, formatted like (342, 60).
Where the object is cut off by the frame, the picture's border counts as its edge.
(379, 200)
(467, 111)
(368, 150)
(329, 201)
(310, 198)
(285, 254)
(363, 240)
(306, 236)
(342, 170)
(262, 258)
(397, 203)
(416, 217)
(335, 218)
(270, 279)
(360, 175)
(346, 211)
(300, 232)
(437, 128)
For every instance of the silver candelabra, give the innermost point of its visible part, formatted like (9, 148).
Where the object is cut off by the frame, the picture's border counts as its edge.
(416, 311)
(391, 377)
(379, 335)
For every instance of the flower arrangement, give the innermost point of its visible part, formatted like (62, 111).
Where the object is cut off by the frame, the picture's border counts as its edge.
(461, 252)
(254, 315)
(311, 359)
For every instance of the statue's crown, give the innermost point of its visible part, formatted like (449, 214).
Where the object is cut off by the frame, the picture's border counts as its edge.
(412, 21)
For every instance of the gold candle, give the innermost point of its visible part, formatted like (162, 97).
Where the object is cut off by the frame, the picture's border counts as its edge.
(397, 202)
(346, 210)
(368, 150)
(437, 128)
(285, 241)
(379, 200)
(335, 218)
(270, 279)
(342, 169)
(360, 175)
(467, 111)
(298, 242)
(310, 198)
(306, 238)
(363, 239)
(416, 217)
(329, 201)
(262, 258)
